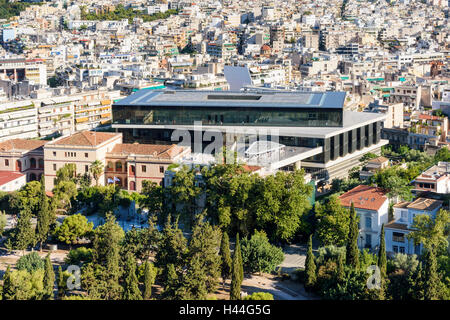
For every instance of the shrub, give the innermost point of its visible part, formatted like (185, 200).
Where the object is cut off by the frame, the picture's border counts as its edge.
(259, 296)
(30, 262)
(79, 256)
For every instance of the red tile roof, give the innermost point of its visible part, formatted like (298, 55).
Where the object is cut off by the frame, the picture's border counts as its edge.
(21, 145)
(8, 176)
(155, 150)
(364, 197)
(85, 138)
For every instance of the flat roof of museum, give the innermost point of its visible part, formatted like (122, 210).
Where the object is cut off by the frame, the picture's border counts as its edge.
(203, 98)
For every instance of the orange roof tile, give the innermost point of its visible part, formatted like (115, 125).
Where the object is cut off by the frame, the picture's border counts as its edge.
(8, 176)
(364, 197)
(21, 145)
(86, 138)
(156, 150)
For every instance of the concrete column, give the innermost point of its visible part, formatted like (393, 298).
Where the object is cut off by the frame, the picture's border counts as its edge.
(298, 165)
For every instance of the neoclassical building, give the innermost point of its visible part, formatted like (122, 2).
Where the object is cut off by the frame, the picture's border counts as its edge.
(23, 156)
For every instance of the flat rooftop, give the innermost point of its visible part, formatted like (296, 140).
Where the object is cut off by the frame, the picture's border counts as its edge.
(201, 98)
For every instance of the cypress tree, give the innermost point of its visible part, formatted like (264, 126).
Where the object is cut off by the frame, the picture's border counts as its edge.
(239, 256)
(49, 277)
(7, 293)
(149, 279)
(340, 268)
(225, 257)
(382, 263)
(352, 242)
(432, 282)
(61, 284)
(24, 236)
(310, 266)
(44, 218)
(171, 283)
(237, 274)
(131, 285)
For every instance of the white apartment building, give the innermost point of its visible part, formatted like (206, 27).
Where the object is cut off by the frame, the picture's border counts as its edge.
(18, 120)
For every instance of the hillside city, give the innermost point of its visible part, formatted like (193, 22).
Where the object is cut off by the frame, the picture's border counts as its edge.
(224, 150)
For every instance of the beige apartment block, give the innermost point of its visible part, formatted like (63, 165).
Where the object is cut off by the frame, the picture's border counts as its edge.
(81, 149)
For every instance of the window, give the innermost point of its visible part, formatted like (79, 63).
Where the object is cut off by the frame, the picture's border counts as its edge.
(395, 248)
(54, 167)
(144, 168)
(86, 155)
(402, 249)
(398, 237)
(54, 153)
(368, 240)
(368, 222)
(161, 169)
(7, 162)
(86, 168)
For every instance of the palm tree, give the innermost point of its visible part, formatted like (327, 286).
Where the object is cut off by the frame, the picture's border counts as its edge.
(96, 169)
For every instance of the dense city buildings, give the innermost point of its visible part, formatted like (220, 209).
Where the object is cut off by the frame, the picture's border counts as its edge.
(317, 131)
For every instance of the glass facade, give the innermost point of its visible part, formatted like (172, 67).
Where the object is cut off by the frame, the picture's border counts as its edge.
(334, 147)
(181, 115)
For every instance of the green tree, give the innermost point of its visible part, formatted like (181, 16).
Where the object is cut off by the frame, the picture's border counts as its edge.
(382, 262)
(66, 173)
(258, 255)
(352, 242)
(30, 262)
(7, 292)
(310, 267)
(45, 218)
(184, 191)
(23, 233)
(333, 222)
(237, 274)
(96, 169)
(149, 279)
(432, 284)
(73, 228)
(225, 257)
(340, 268)
(64, 192)
(171, 284)
(49, 278)
(24, 285)
(433, 233)
(172, 249)
(61, 284)
(131, 285)
(153, 197)
(282, 201)
(203, 261)
(27, 198)
(3, 222)
(106, 257)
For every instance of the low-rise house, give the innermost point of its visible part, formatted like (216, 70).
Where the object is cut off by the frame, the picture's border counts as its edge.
(372, 167)
(371, 205)
(404, 213)
(434, 180)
